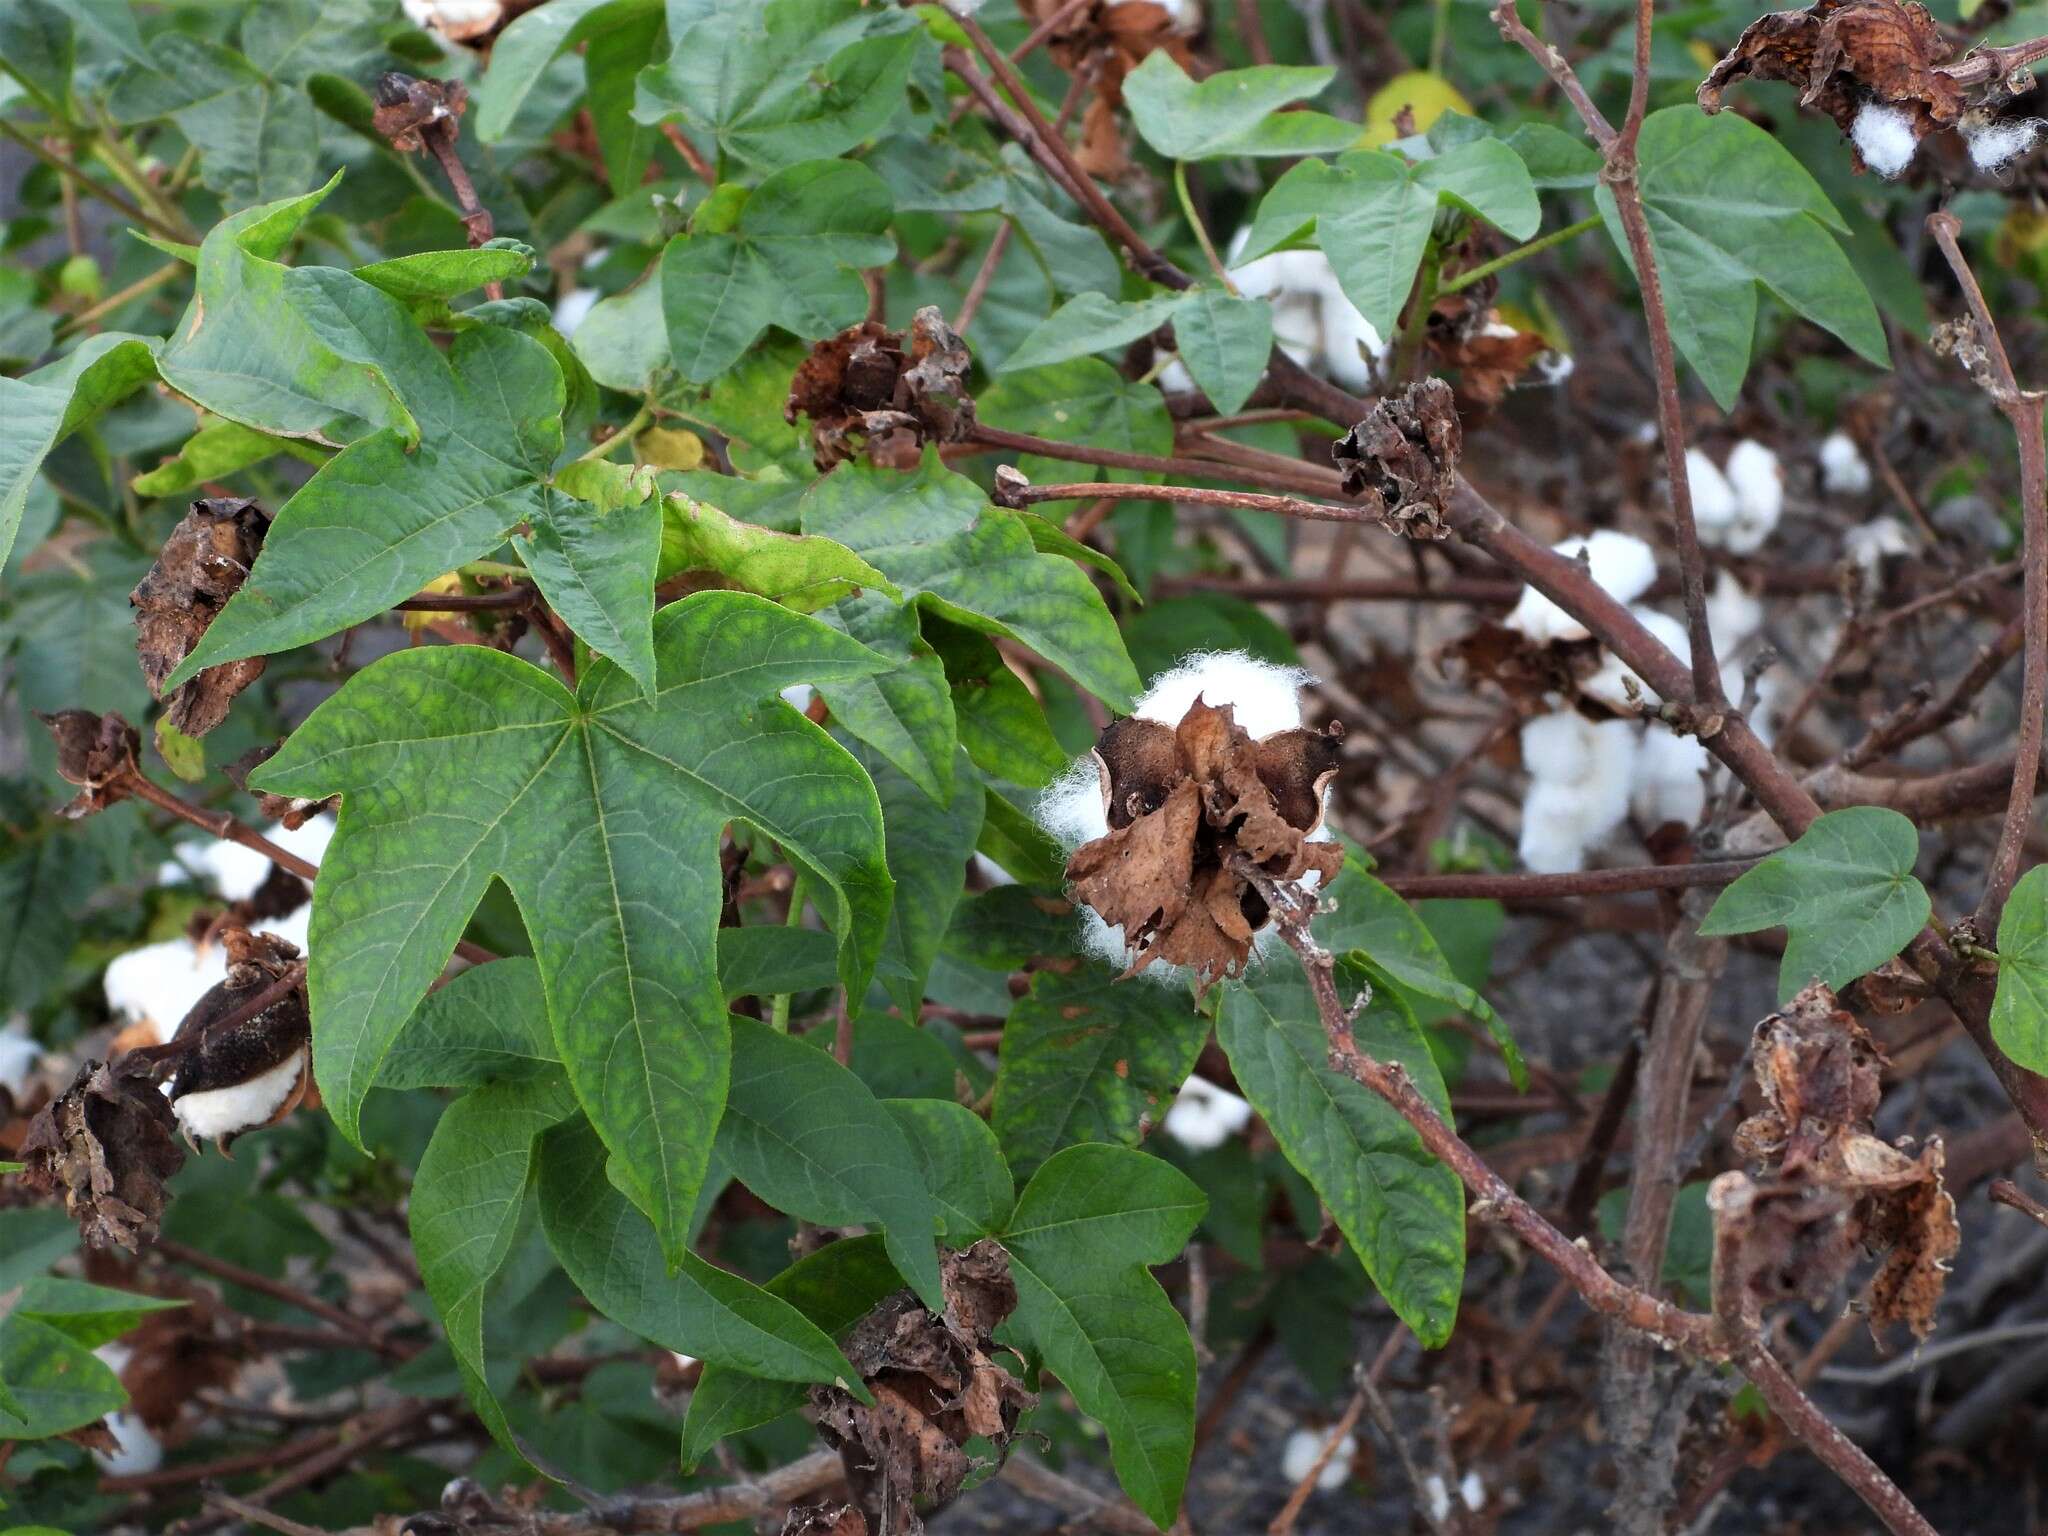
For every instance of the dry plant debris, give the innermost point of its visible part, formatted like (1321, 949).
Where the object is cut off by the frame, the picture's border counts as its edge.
(892, 391)
(203, 563)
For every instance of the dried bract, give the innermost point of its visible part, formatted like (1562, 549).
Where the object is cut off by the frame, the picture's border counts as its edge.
(107, 1146)
(290, 811)
(1188, 806)
(203, 563)
(935, 1388)
(892, 392)
(410, 110)
(1402, 460)
(98, 754)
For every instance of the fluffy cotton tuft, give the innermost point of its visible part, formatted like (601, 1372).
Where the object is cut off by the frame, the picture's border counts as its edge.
(1714, 505)
(19, 1053)
(1996, 145)
(1620, 564)
(1314, 323)
(1868, 545)
(234, 872)
(1304, 1446)
(572, 308)
(1667, 785)
(136, 1449)
(1843, 471)
(1733, 616)
(1610, 686)
(1263, 697)
(1472, 1491)
(218, 1112)
(1204, 1116)
(1759, 482)
(1581, 793)
(1883, 136)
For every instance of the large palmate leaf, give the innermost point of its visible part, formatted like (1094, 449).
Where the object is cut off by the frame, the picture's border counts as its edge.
(787, 81)
(2019, 1009)
(468, 1197)
(1730, 208)
(1372, 213)
(39, 410)
(247, 351)
(929, 843)
(1401, 1210)
(601, 811)
(1234, 112)
(384, 517)
(807, 1136)
(612, 1254)
(792, 259)
(1087, 1056)
(1844, 893)
(1084, 1229)
(935, 535)
(488, 1025)
(834, 1288)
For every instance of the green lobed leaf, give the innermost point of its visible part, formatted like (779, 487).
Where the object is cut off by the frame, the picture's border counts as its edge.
(1232, 112)
(525, 48)
(215, 451)
(768, 959)
(1402, 1211)
(1088, 1056)
(1089, 323)
(2019, 1009)
(596, 568)
(612, 1254)
(1225, 341)
(786, 81)
(601, 811)
(1844, 893)
(808, 1137)
(1729, 208)
(792, 259)
(381, 519)
(799, 571)
(935, 535)
(40, 409)
(1001, 726)
(835, 1288)
(1084, 1229)
(1489, 181)
(468, 1197)
(906, 713)
(1085, 402)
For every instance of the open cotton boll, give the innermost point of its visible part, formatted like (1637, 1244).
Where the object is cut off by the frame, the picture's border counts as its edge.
(1733, 616)
(1868, 545)
(19, 1053)
(1620, 564)
(159, 983)
(1472, 1492)
(1305, 1446)
(234, 873)
(1759, 482)
(1843, 471)
(1667, 785)
(136, 1447)
(1264, 697)
(216, 1112)
(1204, 1116)
(1608, 685)
(1352, 348)
(1998, 144)
(1883, 136)
(1558, 748)
(572, 308)
(1555, 829)
(1313, 321)
(1714, 505)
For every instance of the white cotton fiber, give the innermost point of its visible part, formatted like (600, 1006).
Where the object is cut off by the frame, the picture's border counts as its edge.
(1733, 616)
(1714, 505)
(1204, 1116)
(1759, 482)
(1554, 836)
(217, 1112)
(572, 308)
(1869, 545)
(1998, 144)
(19, 1053)
(159, 983)
(1472, 1491)
(1264, 698)
(136, 1449)
(1183, 16)
(1313, 321)
(1667, 784)
(1620, 564)
(1565, 814)
(1843, 471)
(1609, 684)
(234, 873)
(1558, 748)
(1883, 136)
(1305, 1446)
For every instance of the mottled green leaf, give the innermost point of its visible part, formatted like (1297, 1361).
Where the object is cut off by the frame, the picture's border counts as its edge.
(799, 571)
(215, 451)
(601, 811)
(596, 569)
(490, 1024)
(963, 1166)
(906, 713)
(447, 274)
(40, 409)
(54, 1383)
(2019, 1010)
(1402, 1211)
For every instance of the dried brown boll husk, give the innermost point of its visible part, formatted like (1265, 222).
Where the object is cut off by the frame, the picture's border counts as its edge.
(107, 1145)
(1188, 807)
(883, 390)
(203, 563)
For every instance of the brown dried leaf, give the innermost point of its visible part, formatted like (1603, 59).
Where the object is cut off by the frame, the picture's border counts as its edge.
(409, 108)
(935, 1388)
(825, 1520)
(107, 1146)
(1402, 459)
(97, 753)
(203, 563)
(1489, 354)
(1916, 1230)
(894, 393)
(1184, 805)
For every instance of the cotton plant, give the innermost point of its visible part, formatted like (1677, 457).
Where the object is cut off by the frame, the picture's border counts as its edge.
(1303, 1448)
(1204, 1116)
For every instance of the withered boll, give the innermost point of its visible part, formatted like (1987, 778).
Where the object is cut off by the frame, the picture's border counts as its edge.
(887, 391)
(202, 564)
(95, 752)
(1188, 806)
(1401, 461)
(237, 1070)
(106, 1145)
